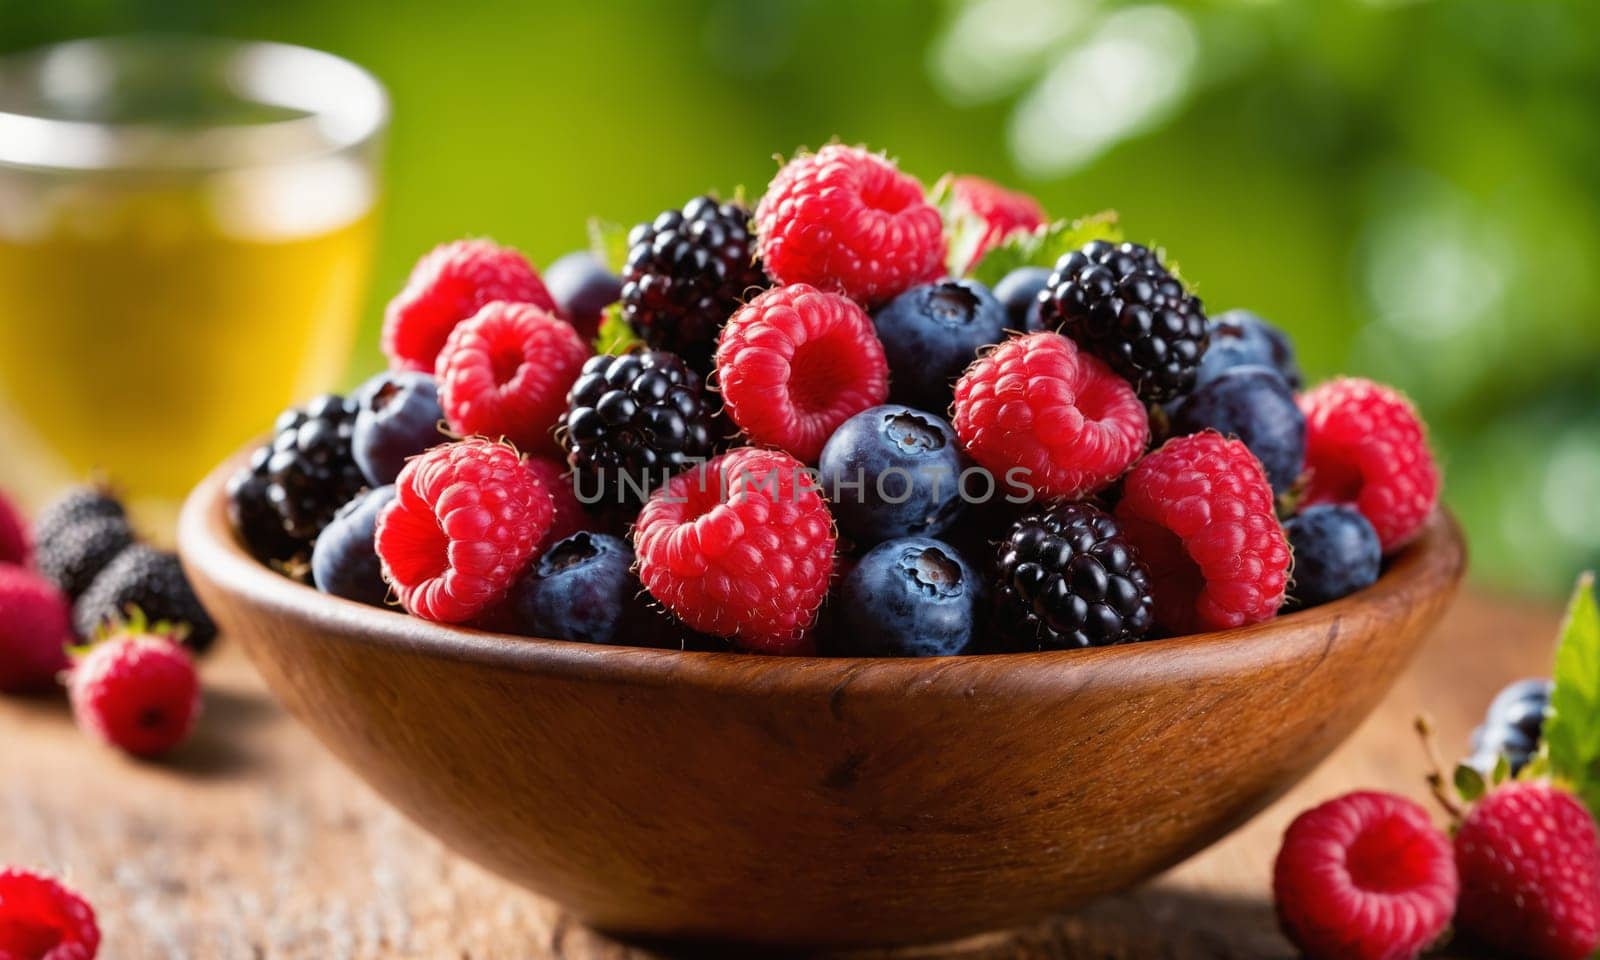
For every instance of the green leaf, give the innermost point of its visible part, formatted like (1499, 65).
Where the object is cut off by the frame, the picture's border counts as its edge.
(1572, 732)
(1469, 783)
(1043, 247)
(615, 335)
(609, 242)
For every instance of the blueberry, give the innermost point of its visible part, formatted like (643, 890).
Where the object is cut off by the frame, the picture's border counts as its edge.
(1255, 404)
(582, 287)
(892, 471)
(344, 562)
(1513, 726)
(1336, 553)
(912, 597)
(931, 333)
(582, 589)
(1513, 701)
(1240, 338)
(398, 416)
(1019, 292)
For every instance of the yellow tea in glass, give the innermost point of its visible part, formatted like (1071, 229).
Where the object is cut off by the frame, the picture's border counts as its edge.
(185, 233)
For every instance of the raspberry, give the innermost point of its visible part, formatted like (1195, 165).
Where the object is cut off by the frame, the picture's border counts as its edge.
(151, 581)
(16, 546)
(1039, 412)
(465, 524)
(505, 374)
(741, 546)
(1530, 872)
(35, 631)
(795, 363)
(1366, 446)
(847, 220)
(136, 690)
(40, 919)
(567, 515)
(1364, 877)
(1200, 512)
(448, 285)
(1002, 211)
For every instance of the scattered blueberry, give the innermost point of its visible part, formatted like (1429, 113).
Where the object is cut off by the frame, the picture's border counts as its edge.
(1241, 338)
(398, 417)
(1336, 553)
(344, 562)
(582, 589)
(1512, 704)
(912, 597)
(1255, 404)
(1512, 727)
(892, 471)
(1019, 292)
(931, 333)
(582, 287)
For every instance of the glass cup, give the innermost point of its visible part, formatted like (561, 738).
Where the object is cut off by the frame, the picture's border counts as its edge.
(186, 230)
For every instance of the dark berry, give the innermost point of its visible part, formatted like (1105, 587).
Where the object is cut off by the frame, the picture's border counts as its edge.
(632, 421)
(1068, 578)
(255, 519)
(1018, 291)
(892, 471)
(1122, 305)
(582, 589)
(1336, 553)
(153, 581)
(686, 272)
(931, 333)
(911, 597)
(311, 472)
(397, 417)
(1256, 405)
(1512, 727)
(1522, 704)
(582, 287)
(76, 505)
(344, 561)
(1240, 338)
(74, 557)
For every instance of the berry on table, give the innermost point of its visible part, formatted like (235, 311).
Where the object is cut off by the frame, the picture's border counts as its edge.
(1336, 553)
(908, 597)
(1512, 727)
(35, 631)
(41, 919)
(311, 471)
(1042, 414)
(1068, 578)
(892, 471)
(137, 690)
(582, 288)
(1123, 305)
(931, 333)
(582, 589)
(1018, 291)
(1240, 338)
(1256, 405)
(505, 373)
(1366, 446)
(567, 515)
(465, 523)
(448, 285)
(151, 581)
(92, 501)
(741, 546)
(687, 271)
(848, 221)
(795, 363)
(1201, 514)
(255, 519)
(397, 417)
(1364, 877)
(1003, 212)
(72, 559)
(344, 561)
(16, 545)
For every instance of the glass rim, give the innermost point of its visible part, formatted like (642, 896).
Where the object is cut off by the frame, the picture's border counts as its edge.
(341, 106)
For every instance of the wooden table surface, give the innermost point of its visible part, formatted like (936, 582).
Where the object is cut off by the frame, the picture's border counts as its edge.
(253, 843)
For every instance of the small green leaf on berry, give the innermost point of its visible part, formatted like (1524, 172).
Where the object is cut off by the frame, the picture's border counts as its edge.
(1572, 732)
(1502, 771)
(1469, 783)
(615, 336)
(609, 242)
(1043, 247)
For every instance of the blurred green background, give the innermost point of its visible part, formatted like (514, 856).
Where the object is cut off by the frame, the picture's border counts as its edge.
(1410, 188)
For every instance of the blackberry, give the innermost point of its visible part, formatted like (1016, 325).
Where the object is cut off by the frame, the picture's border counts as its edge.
(74, 557)
(632, 421)
(1123, 306)
(311, 471)
(255, 519)
(686, 272)
(153, 581)
(1068, 578)
(90, 502)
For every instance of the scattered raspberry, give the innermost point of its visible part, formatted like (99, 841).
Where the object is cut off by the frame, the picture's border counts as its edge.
(16, 546)
(1530, 873)
(465, 524)
(506, 372)
(741, 546)
(1364, 877)
(847, 220)
(35, 631)
(448, 285)
(1040, 413)
(40, 919)
(795, 363)
(567, 514)
(1003, 211)
(1366, 446)
(136, 690)
(1200, 512)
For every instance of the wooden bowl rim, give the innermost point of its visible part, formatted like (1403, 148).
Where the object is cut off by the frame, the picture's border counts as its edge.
(209, 547)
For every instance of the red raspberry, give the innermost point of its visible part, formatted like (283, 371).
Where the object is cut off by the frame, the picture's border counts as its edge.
(1530, 873)
(35, 631)
(448, 285)
(1364, 877)
(567, 514)
(846, 220)
(1040, 413)
(465, 523)
(1200, 512)
(16, 545)
(40, 919)
(1003, 212)
(741, 546)
(136, 690)
(1366, 446)
(506, 373)
(796, 362)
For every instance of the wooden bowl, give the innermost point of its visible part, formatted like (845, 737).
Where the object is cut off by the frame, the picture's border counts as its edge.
(716, 796)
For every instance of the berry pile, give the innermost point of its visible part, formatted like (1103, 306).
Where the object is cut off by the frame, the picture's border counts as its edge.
(812, 424)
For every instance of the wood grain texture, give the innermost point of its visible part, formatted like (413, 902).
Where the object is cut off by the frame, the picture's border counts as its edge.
(710, 796)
